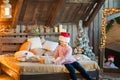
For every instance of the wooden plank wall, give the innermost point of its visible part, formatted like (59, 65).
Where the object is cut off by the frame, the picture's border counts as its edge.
(12, 39)
(10, 43)
(95, 27)
(22, 28)
(72, 29)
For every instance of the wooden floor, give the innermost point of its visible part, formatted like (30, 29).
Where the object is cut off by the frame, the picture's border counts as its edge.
(109, 76)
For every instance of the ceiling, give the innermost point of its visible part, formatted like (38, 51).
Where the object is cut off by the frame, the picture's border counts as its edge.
(52, 12)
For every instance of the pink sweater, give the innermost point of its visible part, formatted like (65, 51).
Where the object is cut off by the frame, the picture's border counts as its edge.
(65, 53)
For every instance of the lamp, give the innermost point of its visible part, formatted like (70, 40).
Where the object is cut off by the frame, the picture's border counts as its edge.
(6, 9)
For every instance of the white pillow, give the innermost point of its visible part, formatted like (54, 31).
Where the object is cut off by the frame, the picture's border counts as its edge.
(82, 57)
(50, 45)
(22, 55)
(49, 53)
(48, 59)
(38, 51)
(35, 42)
(42, 39)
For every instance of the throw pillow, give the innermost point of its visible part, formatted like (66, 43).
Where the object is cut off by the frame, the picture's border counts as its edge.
(38, 51)
(50, 45)
(35, 42)
(82, 57)
(23, 55)
(42, 38)
(48, 59)
(49, 53)
(25, 46)
(0, 68)
(41, 52)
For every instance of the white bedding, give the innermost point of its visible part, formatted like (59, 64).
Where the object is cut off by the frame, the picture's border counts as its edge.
(27, 67)
(40, 68)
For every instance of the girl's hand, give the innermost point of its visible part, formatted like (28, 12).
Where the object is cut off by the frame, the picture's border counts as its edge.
(55, 61)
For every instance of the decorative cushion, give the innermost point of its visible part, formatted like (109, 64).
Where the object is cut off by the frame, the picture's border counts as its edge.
(23, 55)
(5, 77)
(50, 45)
(82, 57)
(42, 38)
(9, 68)
(0, 68)
(25, 46)
(48, 59)
(38, 51)
(49, 53)
(41, 52)
(35, 42)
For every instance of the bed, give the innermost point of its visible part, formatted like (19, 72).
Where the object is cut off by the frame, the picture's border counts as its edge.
(35, 70)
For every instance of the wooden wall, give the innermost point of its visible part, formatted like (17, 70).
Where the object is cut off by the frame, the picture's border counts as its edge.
(24, 29)
(72, 29)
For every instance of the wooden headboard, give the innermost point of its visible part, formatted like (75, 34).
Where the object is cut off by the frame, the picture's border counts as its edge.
(10, 43)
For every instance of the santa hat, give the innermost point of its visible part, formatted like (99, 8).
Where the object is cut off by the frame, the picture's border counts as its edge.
(64, 36)
(111, 58)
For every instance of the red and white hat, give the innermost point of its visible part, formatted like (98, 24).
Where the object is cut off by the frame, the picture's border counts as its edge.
(64, 36)
(111, 58)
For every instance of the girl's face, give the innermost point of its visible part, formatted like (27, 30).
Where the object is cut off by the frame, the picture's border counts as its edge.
(62, 43)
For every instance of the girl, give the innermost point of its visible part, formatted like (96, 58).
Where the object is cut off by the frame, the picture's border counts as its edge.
(63, 55)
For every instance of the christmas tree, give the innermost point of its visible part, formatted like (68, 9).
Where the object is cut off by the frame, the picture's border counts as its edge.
(82, 41)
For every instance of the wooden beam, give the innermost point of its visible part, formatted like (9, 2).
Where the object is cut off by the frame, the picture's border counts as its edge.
(79, 1)
(54, 14)
(75, 13)
(88, 10)
(5, 22)
(93, 13)
(113, 16)
(17, 12)
(22, 12)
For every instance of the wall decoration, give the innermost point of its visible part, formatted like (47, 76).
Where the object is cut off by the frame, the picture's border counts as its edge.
(105, 13)
(110, 23)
